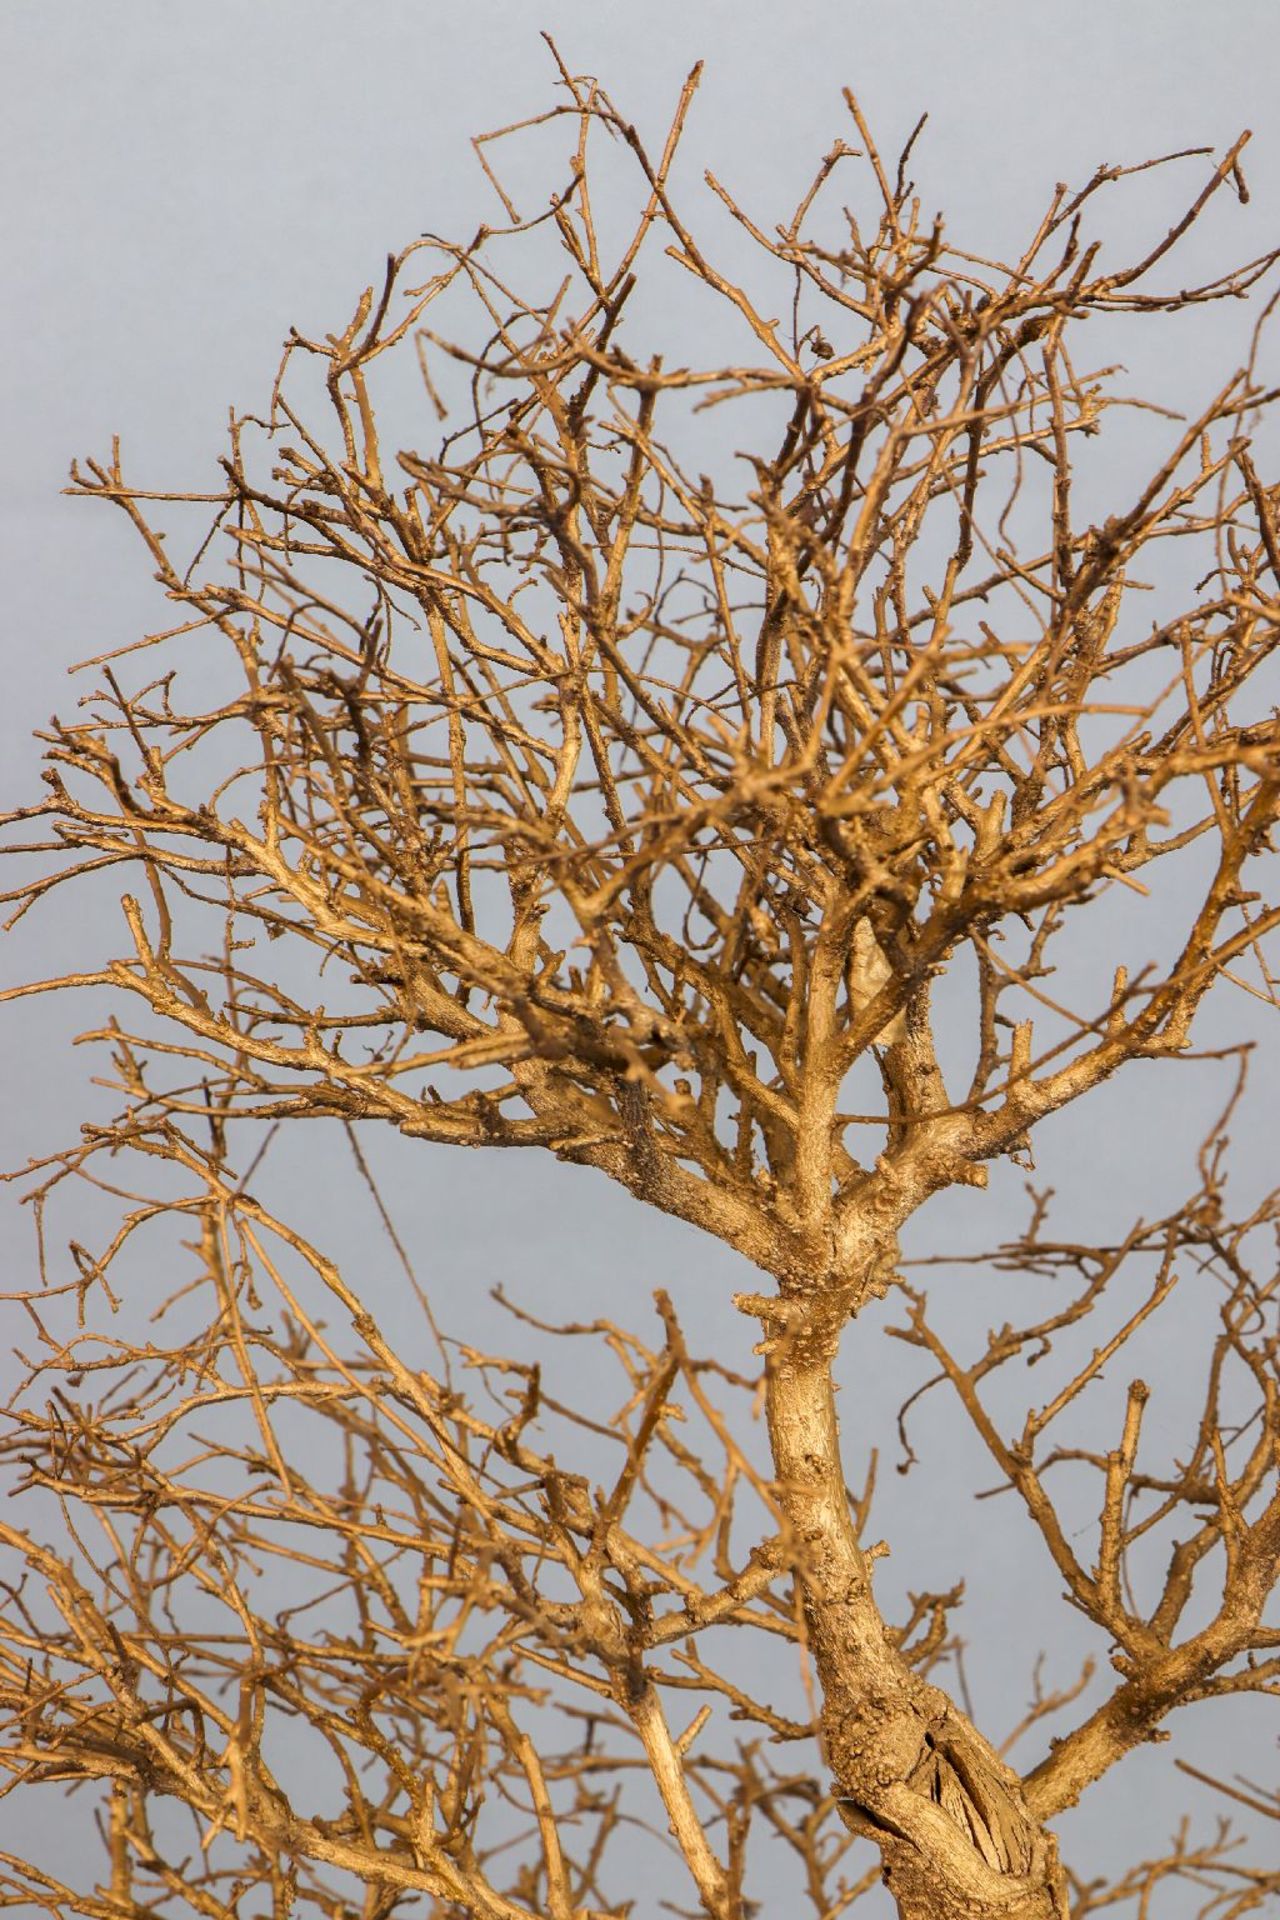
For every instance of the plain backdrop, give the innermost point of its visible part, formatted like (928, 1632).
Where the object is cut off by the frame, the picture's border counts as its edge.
(185, 181)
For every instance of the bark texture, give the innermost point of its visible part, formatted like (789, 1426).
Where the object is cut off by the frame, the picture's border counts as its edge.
(953, 1824)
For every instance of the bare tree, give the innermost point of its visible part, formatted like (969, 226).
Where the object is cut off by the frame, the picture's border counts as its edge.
(586, 783)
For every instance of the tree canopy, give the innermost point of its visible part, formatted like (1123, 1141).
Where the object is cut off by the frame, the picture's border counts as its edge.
(697, 768)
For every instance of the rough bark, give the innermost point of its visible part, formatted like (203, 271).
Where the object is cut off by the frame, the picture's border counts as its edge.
(957, 1836)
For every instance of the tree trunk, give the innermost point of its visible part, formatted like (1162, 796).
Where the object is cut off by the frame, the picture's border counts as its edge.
(913, 1773)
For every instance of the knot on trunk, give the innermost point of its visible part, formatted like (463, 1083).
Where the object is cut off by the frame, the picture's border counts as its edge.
(977, 1799)
(957, 1840)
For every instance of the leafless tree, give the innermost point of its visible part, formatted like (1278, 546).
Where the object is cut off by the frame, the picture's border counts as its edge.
(588, 783)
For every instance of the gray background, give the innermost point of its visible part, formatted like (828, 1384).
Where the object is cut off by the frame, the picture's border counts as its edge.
(183, 182)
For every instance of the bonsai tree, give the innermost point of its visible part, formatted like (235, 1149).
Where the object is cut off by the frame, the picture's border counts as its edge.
(690, 758)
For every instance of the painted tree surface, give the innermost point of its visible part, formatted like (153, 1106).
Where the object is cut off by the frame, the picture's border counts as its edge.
(705, 770)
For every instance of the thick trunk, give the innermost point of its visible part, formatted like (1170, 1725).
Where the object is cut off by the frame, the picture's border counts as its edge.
(957, 1838)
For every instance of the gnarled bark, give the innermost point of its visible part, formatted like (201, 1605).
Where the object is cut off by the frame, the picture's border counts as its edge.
(958, 1839)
